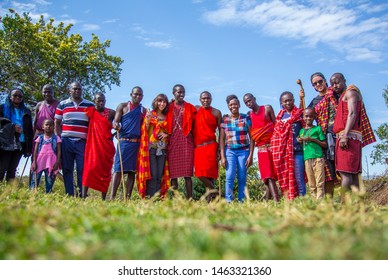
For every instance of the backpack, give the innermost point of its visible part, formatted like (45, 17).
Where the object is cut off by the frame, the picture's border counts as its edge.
(52, 140)
(7, 135)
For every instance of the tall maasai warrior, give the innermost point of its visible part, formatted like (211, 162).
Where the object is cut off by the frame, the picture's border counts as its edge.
(286, 150)
(325, 105)
(99, 149)
(45, 110)
(128, 119)
(353, 132)
(152, 167)
(71, 123)
(263, 123)
(180, 149)
(206, 152)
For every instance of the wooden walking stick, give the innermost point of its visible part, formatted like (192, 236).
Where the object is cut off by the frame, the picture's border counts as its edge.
(121, 166)
(299, 82)
(21, 176)
(36, 182)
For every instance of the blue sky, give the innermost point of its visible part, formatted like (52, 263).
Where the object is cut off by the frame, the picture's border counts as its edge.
(234, 47)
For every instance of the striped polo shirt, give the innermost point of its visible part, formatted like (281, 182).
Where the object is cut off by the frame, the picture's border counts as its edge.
(74, 119)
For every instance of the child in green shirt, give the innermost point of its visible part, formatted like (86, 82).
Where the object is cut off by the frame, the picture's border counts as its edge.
(313, 140)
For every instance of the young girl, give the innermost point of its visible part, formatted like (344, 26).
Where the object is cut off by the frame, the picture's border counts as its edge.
(236, 148)
(47, 155)
(287, 152)
(152, 165)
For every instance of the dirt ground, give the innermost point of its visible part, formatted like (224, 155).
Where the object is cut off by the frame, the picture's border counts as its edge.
(377, 190)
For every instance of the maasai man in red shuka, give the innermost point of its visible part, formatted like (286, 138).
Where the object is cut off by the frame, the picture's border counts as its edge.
(263, 123)
(287, 155)
(152, 166)
(99, 150)
(353, 132)
(180, 149)
(206, 152)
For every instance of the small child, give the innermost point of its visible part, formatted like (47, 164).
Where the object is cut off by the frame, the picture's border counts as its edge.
(313, 140)
(47, 155)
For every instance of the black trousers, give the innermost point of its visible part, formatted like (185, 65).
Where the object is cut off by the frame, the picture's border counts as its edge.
(9, 161)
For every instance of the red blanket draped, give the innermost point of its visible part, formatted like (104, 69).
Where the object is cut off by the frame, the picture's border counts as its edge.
(143, 158)
(283, 151)
(188, 117)
(262, 134)
(99, 152)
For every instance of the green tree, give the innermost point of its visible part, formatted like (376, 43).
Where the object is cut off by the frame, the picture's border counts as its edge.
(34, 54)
(380, 152)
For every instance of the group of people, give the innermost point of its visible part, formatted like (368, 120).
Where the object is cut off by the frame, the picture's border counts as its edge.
(175, 139)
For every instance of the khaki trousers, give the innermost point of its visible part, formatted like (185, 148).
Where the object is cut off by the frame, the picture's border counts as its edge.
(315, 171)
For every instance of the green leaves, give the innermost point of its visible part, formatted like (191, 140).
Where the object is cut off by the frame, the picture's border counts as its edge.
(35, 54)
(380, 152)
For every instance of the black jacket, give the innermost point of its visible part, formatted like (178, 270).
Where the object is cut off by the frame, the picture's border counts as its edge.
(27, 130)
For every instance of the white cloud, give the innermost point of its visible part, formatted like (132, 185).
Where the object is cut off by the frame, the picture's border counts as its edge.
(159, 45)
(151, 38)
(343, 25)
(90, 27)
(34, 8)
(113, 20)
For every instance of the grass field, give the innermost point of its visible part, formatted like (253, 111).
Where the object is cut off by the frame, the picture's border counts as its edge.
(40, 226)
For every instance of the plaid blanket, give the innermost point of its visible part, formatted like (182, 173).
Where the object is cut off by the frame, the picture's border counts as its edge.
(143, 158)
(368, 136)
(322, 109)
(283, 151)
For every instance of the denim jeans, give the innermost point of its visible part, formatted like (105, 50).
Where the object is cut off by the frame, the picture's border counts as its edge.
(236, 159)
(50, 179)
(299, 173)
(72, 151)
(157, 168)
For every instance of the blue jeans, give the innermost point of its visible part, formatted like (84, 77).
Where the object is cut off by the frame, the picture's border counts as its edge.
(236, 159)
(299, 173)
(50, 179)
(72, 151)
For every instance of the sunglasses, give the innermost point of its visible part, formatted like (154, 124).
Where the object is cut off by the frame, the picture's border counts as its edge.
(17, 95)
(320, 82)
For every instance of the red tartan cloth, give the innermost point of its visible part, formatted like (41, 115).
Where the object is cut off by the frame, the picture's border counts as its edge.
(99, 152)
(322, 109)
(143, 158)
(180, 149)
(283, 151)
(362, 123)
(189, 113)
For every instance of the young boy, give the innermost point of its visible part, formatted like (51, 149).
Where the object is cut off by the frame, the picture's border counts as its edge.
(313, 140)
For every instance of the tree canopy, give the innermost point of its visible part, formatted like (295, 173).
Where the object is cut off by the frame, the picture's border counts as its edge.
(35, 54)
(380, 152)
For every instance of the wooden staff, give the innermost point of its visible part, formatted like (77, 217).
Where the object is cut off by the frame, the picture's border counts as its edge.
(121, 166)
(36, 182)
(21, 176)
(303, 105)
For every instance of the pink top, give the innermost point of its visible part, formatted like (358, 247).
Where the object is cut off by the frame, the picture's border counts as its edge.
(46, 157)
(46, 111)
